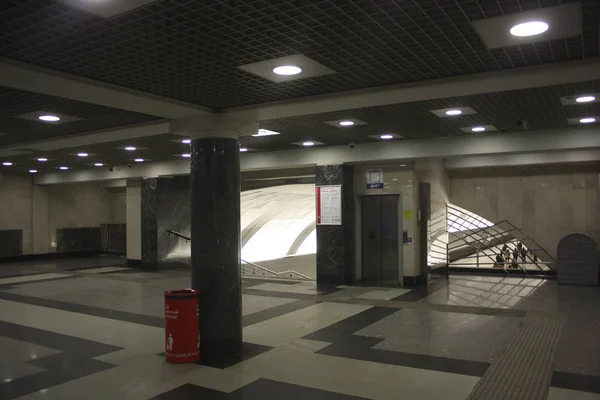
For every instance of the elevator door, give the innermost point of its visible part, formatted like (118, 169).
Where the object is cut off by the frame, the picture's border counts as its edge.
(379, 225)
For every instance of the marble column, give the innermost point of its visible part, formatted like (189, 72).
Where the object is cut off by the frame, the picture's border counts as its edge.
(335, 243)
(215, 228)
(149, 228)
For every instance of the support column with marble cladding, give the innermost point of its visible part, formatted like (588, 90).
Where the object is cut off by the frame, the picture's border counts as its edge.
(215, 187)
(216, 230)
(335, 243)
(149, 240)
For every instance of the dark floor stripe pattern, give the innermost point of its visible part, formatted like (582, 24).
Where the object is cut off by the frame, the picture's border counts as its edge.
(523, 369)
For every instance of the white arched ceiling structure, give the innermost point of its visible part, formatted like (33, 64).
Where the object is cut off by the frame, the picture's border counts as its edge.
(278, 221)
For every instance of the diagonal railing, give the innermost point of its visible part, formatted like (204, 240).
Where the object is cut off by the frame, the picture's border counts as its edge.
(253, 269)
(474, 239)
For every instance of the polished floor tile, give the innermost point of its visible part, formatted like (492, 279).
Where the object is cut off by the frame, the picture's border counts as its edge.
(454, 335)
(566, 394)
(102, 330)
(262, 389)
(252, 304)
(118, 295)
(357, 378)
(98, 333)
(300, 288)
(383, 294)
(31, 278)
(103, 270)
(282, 329)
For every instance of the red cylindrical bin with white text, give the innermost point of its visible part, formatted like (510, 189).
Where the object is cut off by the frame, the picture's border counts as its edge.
(182, 327)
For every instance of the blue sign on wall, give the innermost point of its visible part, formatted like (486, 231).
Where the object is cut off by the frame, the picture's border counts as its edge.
(375, 178)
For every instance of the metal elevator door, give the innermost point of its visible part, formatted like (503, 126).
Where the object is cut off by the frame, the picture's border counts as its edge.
(379, 237)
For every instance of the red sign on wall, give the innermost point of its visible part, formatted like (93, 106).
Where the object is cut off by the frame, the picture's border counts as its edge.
(329, 205)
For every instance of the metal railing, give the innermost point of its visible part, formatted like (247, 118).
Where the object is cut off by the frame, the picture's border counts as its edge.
(477, 243)
(252, 269)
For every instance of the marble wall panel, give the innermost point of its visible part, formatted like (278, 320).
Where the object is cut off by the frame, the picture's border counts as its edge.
(335, 243)
(544, 206)
(149, 239)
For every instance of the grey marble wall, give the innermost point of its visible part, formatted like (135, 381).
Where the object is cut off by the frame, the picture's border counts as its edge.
(546, 206)
(16, 207)
(173, 212)
(335, 243)
(149, 223)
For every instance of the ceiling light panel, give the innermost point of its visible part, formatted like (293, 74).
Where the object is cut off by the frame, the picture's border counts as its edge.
(394, 136)
(305, 143)
(443, 113)
(287, 70)
(563, 21)
(45, 117)
(486, 128)
(107, 8)
(342, 123)
(580, 99)
(265, 132)
(530, 28)
(266, 69)
(584, 120)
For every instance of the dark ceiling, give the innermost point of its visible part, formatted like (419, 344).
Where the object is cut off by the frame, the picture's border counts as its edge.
(541, 107)
(93, 117)
(189, 49)
(165, 147)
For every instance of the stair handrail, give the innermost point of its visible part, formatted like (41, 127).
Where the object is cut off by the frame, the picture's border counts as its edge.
(188, 238)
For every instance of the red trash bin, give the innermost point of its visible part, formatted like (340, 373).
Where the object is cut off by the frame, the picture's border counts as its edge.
(182, 330)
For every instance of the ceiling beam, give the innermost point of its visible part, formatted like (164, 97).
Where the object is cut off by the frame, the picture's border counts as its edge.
(40, 80)
(491, 145)
(88, 138)
(514, 79)
(523, 160)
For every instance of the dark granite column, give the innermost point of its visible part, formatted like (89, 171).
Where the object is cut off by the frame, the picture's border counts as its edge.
(149, 224)
(215, 187)
(335, 243)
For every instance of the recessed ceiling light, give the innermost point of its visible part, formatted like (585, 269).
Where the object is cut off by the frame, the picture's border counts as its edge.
(139, 160)
(98, 164)
(186, 155)
(243, 149)
(453, 112)
(186, 141)
(265, 132)
(130, 148)
(403, 165)
(64, 168)
(587, 120)
(7, 163)
(478, 129)
(308, 144)
(287, 70)
(49, 118)
(33, 171)
(585, 99)
(346, 123)
(82, 154)
(530, 28)
(42, 159)
(386, 137)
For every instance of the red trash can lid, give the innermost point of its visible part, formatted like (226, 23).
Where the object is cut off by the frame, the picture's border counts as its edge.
(180, 293)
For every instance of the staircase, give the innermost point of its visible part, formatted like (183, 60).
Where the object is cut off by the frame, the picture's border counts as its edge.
(250, 269)
(474, 243)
